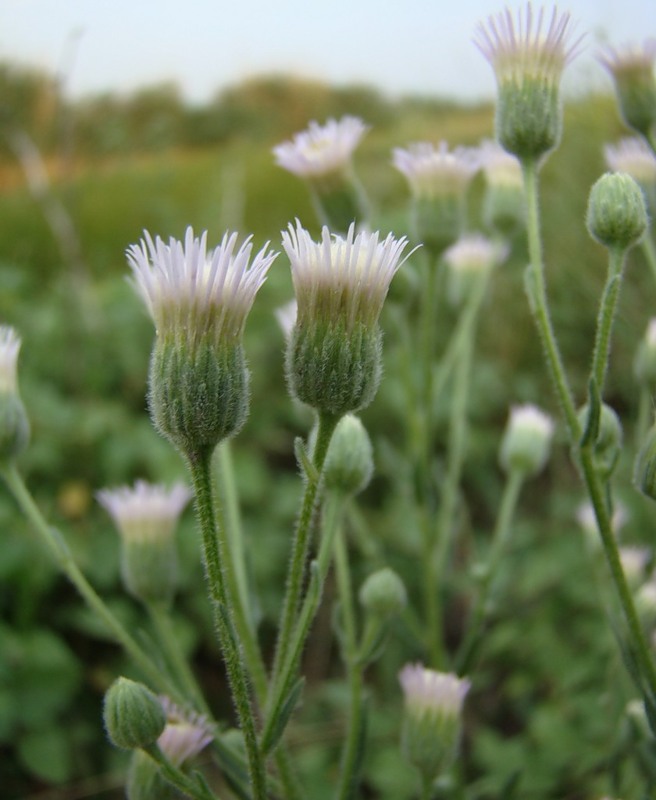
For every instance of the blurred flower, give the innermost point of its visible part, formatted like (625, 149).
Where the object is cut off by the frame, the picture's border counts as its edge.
(146, 517)
(634, 561)
(321, 149)
(632, 70)
(528, 62)
(14, 424)
(585, 516)
(199, 300)
(333, 357)
(470, 259)
(9, 346)
(184, 735)
(633, 156)
(504, 207)
(527, 440)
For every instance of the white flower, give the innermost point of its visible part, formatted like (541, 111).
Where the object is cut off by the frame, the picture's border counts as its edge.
(191, 291)
(524, 49)
(145, 512)
(321, 149)
(9, 346)
(474, 253)
(501, 169)
(633, 156)
(527, 439)
(185, 734)
(341, 280)
(428, 692)
(434, 171)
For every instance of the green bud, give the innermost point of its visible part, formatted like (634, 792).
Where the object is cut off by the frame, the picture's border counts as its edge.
(133, 715)
(617, 215)
(333, 370)
(608, 446)
(527, 440)
(644, 476)
(200, 396)
(383, 594)
(145, 781)
(349, 461)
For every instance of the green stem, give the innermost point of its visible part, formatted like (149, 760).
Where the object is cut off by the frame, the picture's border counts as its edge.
(538, 301)
(426, 788)
(62, 555)
(438, 539)
(606, 317)
(484, 599)
(197, 790)
(160, 616)
(301, 544)
(350, 762)
(213, 556)
(649, 252)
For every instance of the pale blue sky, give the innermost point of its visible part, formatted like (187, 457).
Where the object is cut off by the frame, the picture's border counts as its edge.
(409, 46)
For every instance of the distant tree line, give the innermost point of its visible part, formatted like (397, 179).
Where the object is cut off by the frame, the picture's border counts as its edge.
(158, 117)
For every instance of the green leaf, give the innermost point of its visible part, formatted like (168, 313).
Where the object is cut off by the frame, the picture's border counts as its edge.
(281, 716)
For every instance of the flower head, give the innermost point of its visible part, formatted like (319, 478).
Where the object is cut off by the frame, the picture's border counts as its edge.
(469, 259)
(633, 156)
(528, 57)
(199, 300)
(527, 440)
(321, 149)
(146, 516)
(333, 355)
(500, 168)
(632, 69)
(191, 291)
(432, 720)
(184, 735)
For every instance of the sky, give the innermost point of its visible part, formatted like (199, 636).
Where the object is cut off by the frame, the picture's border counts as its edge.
(419, 47)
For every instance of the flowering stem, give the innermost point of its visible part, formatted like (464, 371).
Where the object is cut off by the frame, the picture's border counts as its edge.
(350, 763)
(536, 291)
(222, 608)
(439, 538)
(500, 537)
(301, 543)
(606, 317)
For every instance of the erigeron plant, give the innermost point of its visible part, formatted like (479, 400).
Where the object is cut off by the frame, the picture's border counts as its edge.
(200, 299)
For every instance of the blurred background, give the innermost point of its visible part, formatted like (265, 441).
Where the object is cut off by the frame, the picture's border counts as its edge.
(123, 116)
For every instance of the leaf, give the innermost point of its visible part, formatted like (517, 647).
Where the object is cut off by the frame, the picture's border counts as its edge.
(281, 716)
(591, 432)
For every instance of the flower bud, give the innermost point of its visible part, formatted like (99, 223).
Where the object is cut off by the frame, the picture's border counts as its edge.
(383, 594)
(14, 424)
(349, 462)
(133, 715)
(608, 445)
(644, 475)
(617, 215)
(504, 202)
(432, 719)
(527, 440)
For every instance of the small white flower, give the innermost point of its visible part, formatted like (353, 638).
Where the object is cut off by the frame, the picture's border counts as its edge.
(434, 171)
(633, 156)
(145, 512)
(185, 734)
(191, 291)
(631, 58)
(474, 253)
(529, 48)
(428, 692)
(501, 169)
(321, 149)
(341, 280)
(9, 346)
(527, 439)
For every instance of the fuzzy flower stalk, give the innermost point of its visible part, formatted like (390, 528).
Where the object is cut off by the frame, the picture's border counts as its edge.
(14, 425)
(528, 56)
(333, 357)
(632, 70)
(199, 300)
(322, 156)
(438, 180)
(146, 517)
(432, 718)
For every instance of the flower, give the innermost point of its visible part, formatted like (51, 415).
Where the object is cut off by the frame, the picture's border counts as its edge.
(185, 734)
(504, 207)
(528, 63)
(432, 718)
(500, 168)
(14, 424)
(146, 516)
(471, 257)
(434, 171)
(321, 149)
(333, 356)
(633, 156)
(527, 440)
(199, 300)
(632, 70)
